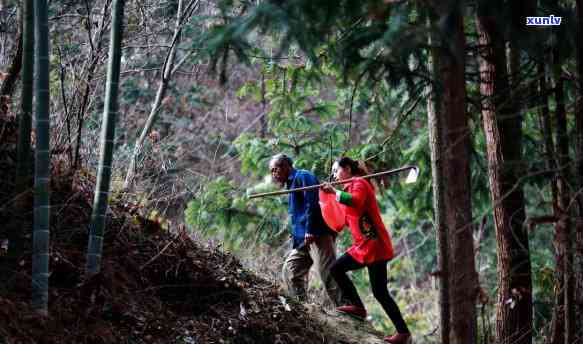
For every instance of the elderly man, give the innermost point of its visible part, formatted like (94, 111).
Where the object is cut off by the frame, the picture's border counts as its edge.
(313, 241)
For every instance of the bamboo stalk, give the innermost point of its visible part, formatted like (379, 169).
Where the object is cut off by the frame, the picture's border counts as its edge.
(41, 217)
(110, 111)
(312, 187)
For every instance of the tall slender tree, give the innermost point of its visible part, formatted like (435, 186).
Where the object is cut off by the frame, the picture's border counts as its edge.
(25, 120)
(463, 282)
(562, 323)
(110, 109)
(520, 271)
(502, 127)
(557, 324)
(435, 124)
(41, 222)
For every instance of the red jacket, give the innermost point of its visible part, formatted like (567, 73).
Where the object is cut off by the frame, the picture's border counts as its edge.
(371, 240)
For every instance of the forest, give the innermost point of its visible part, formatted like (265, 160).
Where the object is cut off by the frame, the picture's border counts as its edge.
(135, 135)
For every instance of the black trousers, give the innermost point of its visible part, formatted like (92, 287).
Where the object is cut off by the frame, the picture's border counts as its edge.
(377, 273)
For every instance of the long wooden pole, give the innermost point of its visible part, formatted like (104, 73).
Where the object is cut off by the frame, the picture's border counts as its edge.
(312, 187)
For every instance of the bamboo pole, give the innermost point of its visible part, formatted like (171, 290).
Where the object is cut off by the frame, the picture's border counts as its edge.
(106, 144)
(312, 187)
(42, 165)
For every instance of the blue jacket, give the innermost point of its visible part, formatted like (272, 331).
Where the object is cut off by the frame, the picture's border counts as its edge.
(304, 207)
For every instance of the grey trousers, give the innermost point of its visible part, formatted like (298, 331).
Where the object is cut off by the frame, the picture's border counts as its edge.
(298, 262)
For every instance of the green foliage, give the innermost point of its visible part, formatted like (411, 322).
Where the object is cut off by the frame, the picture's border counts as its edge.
(212, 198)
(379, 40)
(297, 107)
(220, 209)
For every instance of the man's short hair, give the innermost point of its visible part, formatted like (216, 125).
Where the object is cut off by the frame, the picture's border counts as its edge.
(281, 157)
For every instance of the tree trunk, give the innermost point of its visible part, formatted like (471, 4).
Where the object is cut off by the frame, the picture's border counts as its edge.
(435, 123)
(25, 120)
(95, 245)
(41, 233)
(550, 157)
(502, 127)
(463, 280)
(563, 317)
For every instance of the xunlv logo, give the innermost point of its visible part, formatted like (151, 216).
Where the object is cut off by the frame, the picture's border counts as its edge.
(543, 21)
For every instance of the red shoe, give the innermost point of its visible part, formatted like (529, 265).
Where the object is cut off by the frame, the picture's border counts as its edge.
(355, 311)
(399, 338)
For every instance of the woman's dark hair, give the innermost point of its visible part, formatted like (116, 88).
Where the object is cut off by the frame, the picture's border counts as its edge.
(356, 168)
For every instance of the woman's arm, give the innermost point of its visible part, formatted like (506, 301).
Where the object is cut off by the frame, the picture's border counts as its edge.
(356, 196)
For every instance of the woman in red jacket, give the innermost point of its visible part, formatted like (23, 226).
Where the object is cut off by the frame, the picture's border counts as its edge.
(371, 248)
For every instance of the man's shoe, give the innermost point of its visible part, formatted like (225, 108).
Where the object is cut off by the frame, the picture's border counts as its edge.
(354, 311)
(399, 338)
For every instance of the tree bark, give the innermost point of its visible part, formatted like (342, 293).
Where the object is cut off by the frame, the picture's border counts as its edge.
(563, 317)
(463, 280)
(100, 202)
(557, 325)
(502, 126)
(436, 144)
